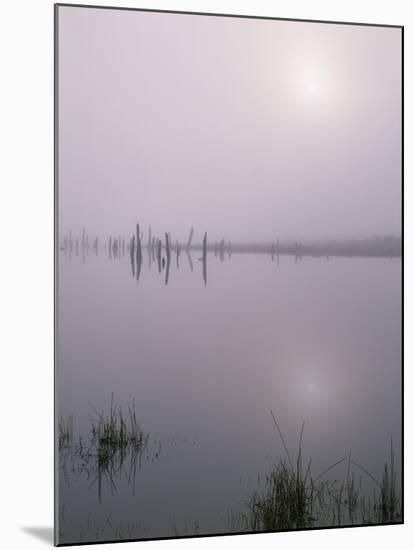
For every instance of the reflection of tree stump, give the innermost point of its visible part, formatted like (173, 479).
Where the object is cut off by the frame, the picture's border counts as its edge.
(221, 250)
(159, 255)
(277, 251)
(132, 248)
(190, 238)
(168, 252)
(132, 254)
(205, 259)
(139, 248)
(153, 249)
(190, 262)
(178, 253)
(167, 246)
(149, 237)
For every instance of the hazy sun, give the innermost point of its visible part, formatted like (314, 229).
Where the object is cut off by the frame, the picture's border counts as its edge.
(311, 82)
(312, 86)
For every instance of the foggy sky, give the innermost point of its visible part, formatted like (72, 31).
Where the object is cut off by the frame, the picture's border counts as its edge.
(247, 129)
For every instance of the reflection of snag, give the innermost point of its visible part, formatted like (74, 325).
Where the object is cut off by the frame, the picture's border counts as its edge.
(139, 248)
(167, 246)
(159, 255)
(115, 248)
(153, 249)
(221, 250)
(132, 254)
(139, 263)
(149, 247)
(277, 251)
(178, 253)
(168, 252)
(190, 238)
(190, 262)
(149, 237)
(205, 259)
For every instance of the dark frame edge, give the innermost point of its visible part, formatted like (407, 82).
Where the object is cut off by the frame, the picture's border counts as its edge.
(230, 15)
(402, 282)
(55, 266)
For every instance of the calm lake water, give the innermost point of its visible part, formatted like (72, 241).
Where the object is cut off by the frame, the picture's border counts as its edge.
(316, 340)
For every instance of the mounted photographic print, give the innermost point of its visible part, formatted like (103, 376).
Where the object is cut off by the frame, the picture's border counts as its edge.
(228, 274)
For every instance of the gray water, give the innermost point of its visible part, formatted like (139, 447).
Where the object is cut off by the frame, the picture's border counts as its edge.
(314, 340)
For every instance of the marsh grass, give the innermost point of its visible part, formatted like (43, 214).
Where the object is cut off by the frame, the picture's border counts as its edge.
(288, 499)
(65, 437)
(117, 443)
(293, 499)
(286, 503)
(290, 496)
(116, 432)
(385, 504)
(113, 450)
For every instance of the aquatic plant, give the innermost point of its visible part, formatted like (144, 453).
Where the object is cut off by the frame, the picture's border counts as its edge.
(293, 499)
(115, 432)
(65, 437)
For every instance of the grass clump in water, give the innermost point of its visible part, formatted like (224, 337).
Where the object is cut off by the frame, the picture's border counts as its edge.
(292, 499)
(286, 504)
(385, 506)
(288, 500)
(65, 439)
(117, 442)
(117, 433)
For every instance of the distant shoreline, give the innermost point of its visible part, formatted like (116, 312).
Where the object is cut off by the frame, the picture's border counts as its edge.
(378, 247)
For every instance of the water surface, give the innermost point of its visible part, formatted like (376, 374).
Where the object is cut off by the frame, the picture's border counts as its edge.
(315, 340)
